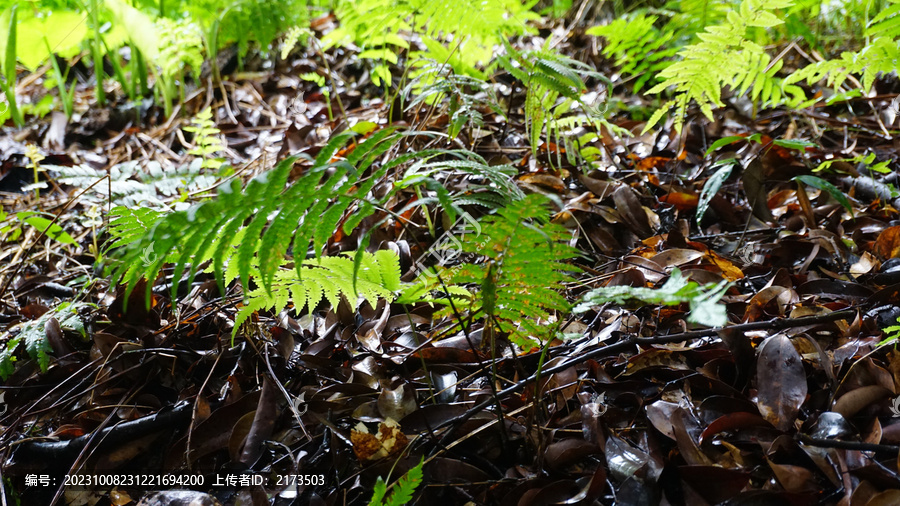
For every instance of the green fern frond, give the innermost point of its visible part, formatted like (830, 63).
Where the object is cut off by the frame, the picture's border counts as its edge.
(33, 334)
(246, 232)
(881, 55)
(207, 140)
(466, 96)
(402, 491)
(331, 278)
(134, 184)
(524, 266)
(127, 225)
(886, 23)
(473, 25)
(723, 57)
(692, 16)
(637, 46)
(548, 77)
(271, 215)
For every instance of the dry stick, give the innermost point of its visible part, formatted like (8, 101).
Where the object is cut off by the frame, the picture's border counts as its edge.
(846, 445)
(630, 343)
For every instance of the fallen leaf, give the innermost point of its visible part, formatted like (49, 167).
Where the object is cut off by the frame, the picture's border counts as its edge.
(781, 381)
(887, 245)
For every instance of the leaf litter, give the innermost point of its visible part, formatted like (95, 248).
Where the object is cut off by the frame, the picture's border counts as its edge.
(792, 403)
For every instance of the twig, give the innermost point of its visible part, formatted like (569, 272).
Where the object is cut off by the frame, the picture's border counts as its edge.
(847, 445)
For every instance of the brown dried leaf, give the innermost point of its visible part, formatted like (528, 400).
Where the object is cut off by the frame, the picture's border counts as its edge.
(631, 211)
(855, 400)
(781, 381)
(754, 181)
(888, 243)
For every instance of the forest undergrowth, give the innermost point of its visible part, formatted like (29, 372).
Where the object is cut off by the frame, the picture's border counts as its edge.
(391, 252)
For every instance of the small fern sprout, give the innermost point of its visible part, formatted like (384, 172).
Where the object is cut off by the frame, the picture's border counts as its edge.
(207, 139)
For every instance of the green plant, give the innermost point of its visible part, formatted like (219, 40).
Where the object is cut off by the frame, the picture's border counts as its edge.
(523, 267)
(34, 336)
(465, 96)
(34, 163)
(690, 17)
(180, 47)
(637, 46)
(868, 160)
(549, 76)
(207, 140)
(473, 26)
(703, 300)
(319, 81)
(725, 56)
(402, 491)
(891, 333)
(879, 56)
(11, 231)
(133, 184)
(331, 278)
(8, 83)
(251, 229)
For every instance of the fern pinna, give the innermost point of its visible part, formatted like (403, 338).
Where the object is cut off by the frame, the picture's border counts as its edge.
(523, 267)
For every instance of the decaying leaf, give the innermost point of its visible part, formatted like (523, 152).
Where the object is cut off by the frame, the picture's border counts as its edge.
(389, 441)
(781, 381)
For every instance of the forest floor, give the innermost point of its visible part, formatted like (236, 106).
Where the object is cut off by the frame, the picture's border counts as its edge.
(794, 402)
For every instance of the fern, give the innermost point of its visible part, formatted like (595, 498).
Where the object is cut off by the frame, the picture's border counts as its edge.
(328, 278)
(180, 45)
(523, 266)
(246, 21)
(637, 46)
(881, 55)
(128, 225)
(207, 140)
(472, 25)
(232, 225)
(34, 336)
(251, 229)
(547, 77)
(466, 96)
(886, 23)
(878, 56)
(725, 56)
(692, 16)
(135, 185)
(403, 490)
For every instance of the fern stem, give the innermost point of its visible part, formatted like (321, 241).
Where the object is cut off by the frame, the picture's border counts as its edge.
(337, 95)
(425, 212)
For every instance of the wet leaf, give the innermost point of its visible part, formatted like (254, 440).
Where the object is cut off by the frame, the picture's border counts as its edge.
(834, 191)
(781, 381)
(712, 187)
